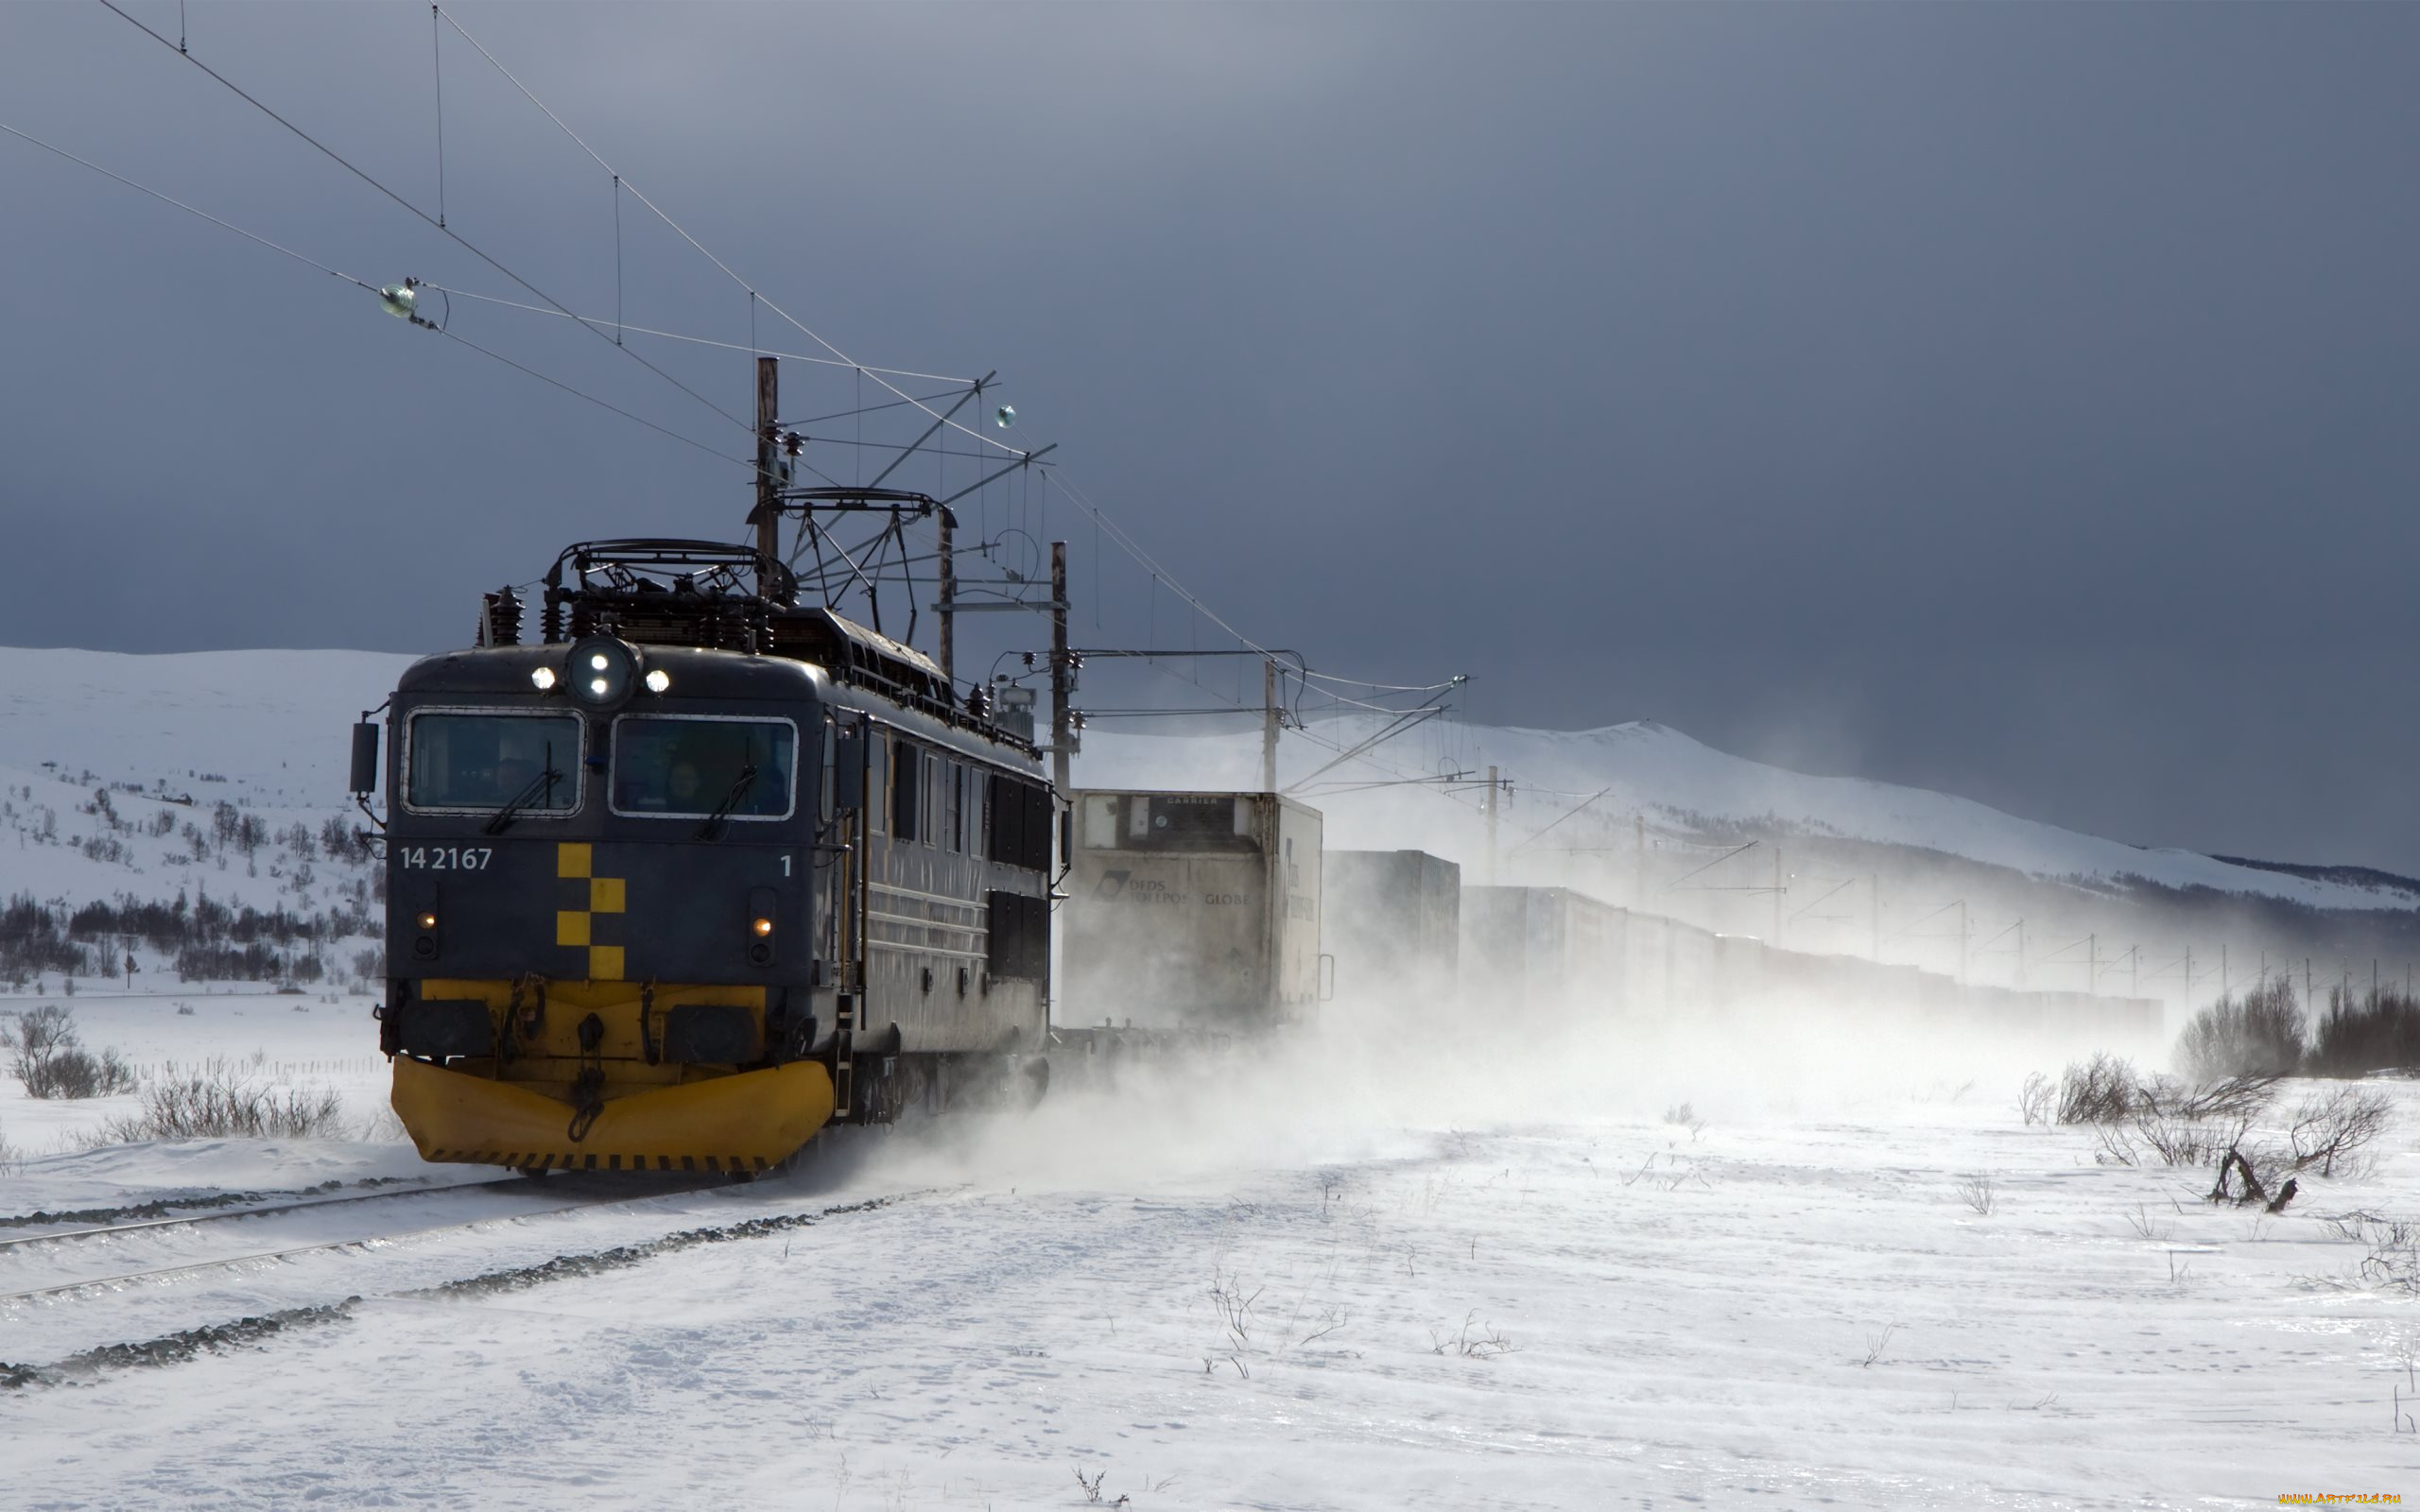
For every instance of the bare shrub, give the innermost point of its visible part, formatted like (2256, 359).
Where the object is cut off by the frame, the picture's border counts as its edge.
(2180, 1123)
(2145, 1225)
(2393, 1244)
(2037, 1099)
(2260, 1034)
(1876, 1345)
(1979, 1193)
(2180, 1141)
(49, 1061)
(76, 1073)
(1469, 1344)
(1235, 1306)
(2332, 1126)
(224, 1099)
(2377, 1031)
(2255, 1189)
(2104, 1089)
(41, 1030)
(2244, 1097)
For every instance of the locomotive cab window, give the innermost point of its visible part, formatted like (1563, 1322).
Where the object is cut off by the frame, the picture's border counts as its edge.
(699, 766)
(477, 762)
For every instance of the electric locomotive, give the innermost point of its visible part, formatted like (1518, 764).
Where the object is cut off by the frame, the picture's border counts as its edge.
(696, 871)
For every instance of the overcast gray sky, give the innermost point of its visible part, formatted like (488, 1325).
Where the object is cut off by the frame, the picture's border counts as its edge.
(2012, 400)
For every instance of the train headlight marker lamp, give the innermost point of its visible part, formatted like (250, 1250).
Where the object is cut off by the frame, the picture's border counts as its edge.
(658, 680)
(542, 679)
(601, 671)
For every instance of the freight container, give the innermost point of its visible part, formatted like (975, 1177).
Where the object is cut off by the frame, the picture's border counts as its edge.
(1191, 911)
(1393, 924)
(1542, 950)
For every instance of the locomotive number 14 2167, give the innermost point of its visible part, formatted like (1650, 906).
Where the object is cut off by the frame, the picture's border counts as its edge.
(448, 857)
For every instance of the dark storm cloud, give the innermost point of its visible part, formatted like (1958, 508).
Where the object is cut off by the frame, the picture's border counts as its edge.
(2012, 400)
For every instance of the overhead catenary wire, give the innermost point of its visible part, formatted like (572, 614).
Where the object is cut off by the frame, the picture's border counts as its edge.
(755, 294)
(751, 348)
(190, 209)
(337, 273)
(1057, 475)
(746, 463)
(332, 156)
(597, 327)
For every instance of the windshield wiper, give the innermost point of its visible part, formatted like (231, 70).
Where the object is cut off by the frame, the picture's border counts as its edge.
(543, 782)
(712, 829)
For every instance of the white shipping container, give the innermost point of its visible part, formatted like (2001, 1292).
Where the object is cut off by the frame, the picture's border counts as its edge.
(1191, 910)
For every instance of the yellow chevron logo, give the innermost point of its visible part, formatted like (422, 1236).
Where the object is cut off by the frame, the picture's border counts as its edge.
(575, 862)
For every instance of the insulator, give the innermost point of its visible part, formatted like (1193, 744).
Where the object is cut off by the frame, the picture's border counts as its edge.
(504, 617)
(583, 620)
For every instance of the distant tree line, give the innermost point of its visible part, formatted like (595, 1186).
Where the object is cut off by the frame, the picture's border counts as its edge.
(210, 941)
(2263, 1033)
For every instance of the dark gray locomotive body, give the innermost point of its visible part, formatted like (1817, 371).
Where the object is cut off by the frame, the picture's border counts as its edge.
(698, 872)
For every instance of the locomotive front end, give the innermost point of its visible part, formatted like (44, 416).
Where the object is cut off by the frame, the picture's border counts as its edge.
(601, 906)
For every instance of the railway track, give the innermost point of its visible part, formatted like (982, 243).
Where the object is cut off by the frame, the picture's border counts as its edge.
(230, 1215)
(543, 1206)
(187, 1343)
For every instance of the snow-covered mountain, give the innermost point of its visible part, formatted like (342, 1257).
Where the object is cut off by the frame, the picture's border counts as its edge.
(1677, 784)
(266, 731)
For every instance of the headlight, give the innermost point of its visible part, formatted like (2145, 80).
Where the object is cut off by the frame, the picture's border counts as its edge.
(601, 671)
(542, 679)
(658, 679)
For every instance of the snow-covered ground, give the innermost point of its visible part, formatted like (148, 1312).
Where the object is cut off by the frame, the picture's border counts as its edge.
(1388, 1275)
(322, 1040)
(1399, 1265)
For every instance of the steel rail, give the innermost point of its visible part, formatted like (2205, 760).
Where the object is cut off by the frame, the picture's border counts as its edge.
(361, 1242)
(140, 1226)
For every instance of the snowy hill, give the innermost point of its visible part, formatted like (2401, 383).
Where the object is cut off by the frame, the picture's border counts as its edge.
(1651, 769)
(170, 738)
(266, 731)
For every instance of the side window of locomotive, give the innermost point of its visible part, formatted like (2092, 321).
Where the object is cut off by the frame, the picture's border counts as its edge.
(954, 827)
(907, 790)
(936, 796)
(675, 767)
(1020, 820)
(831, 751)
(877, 780)
(483, 762)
